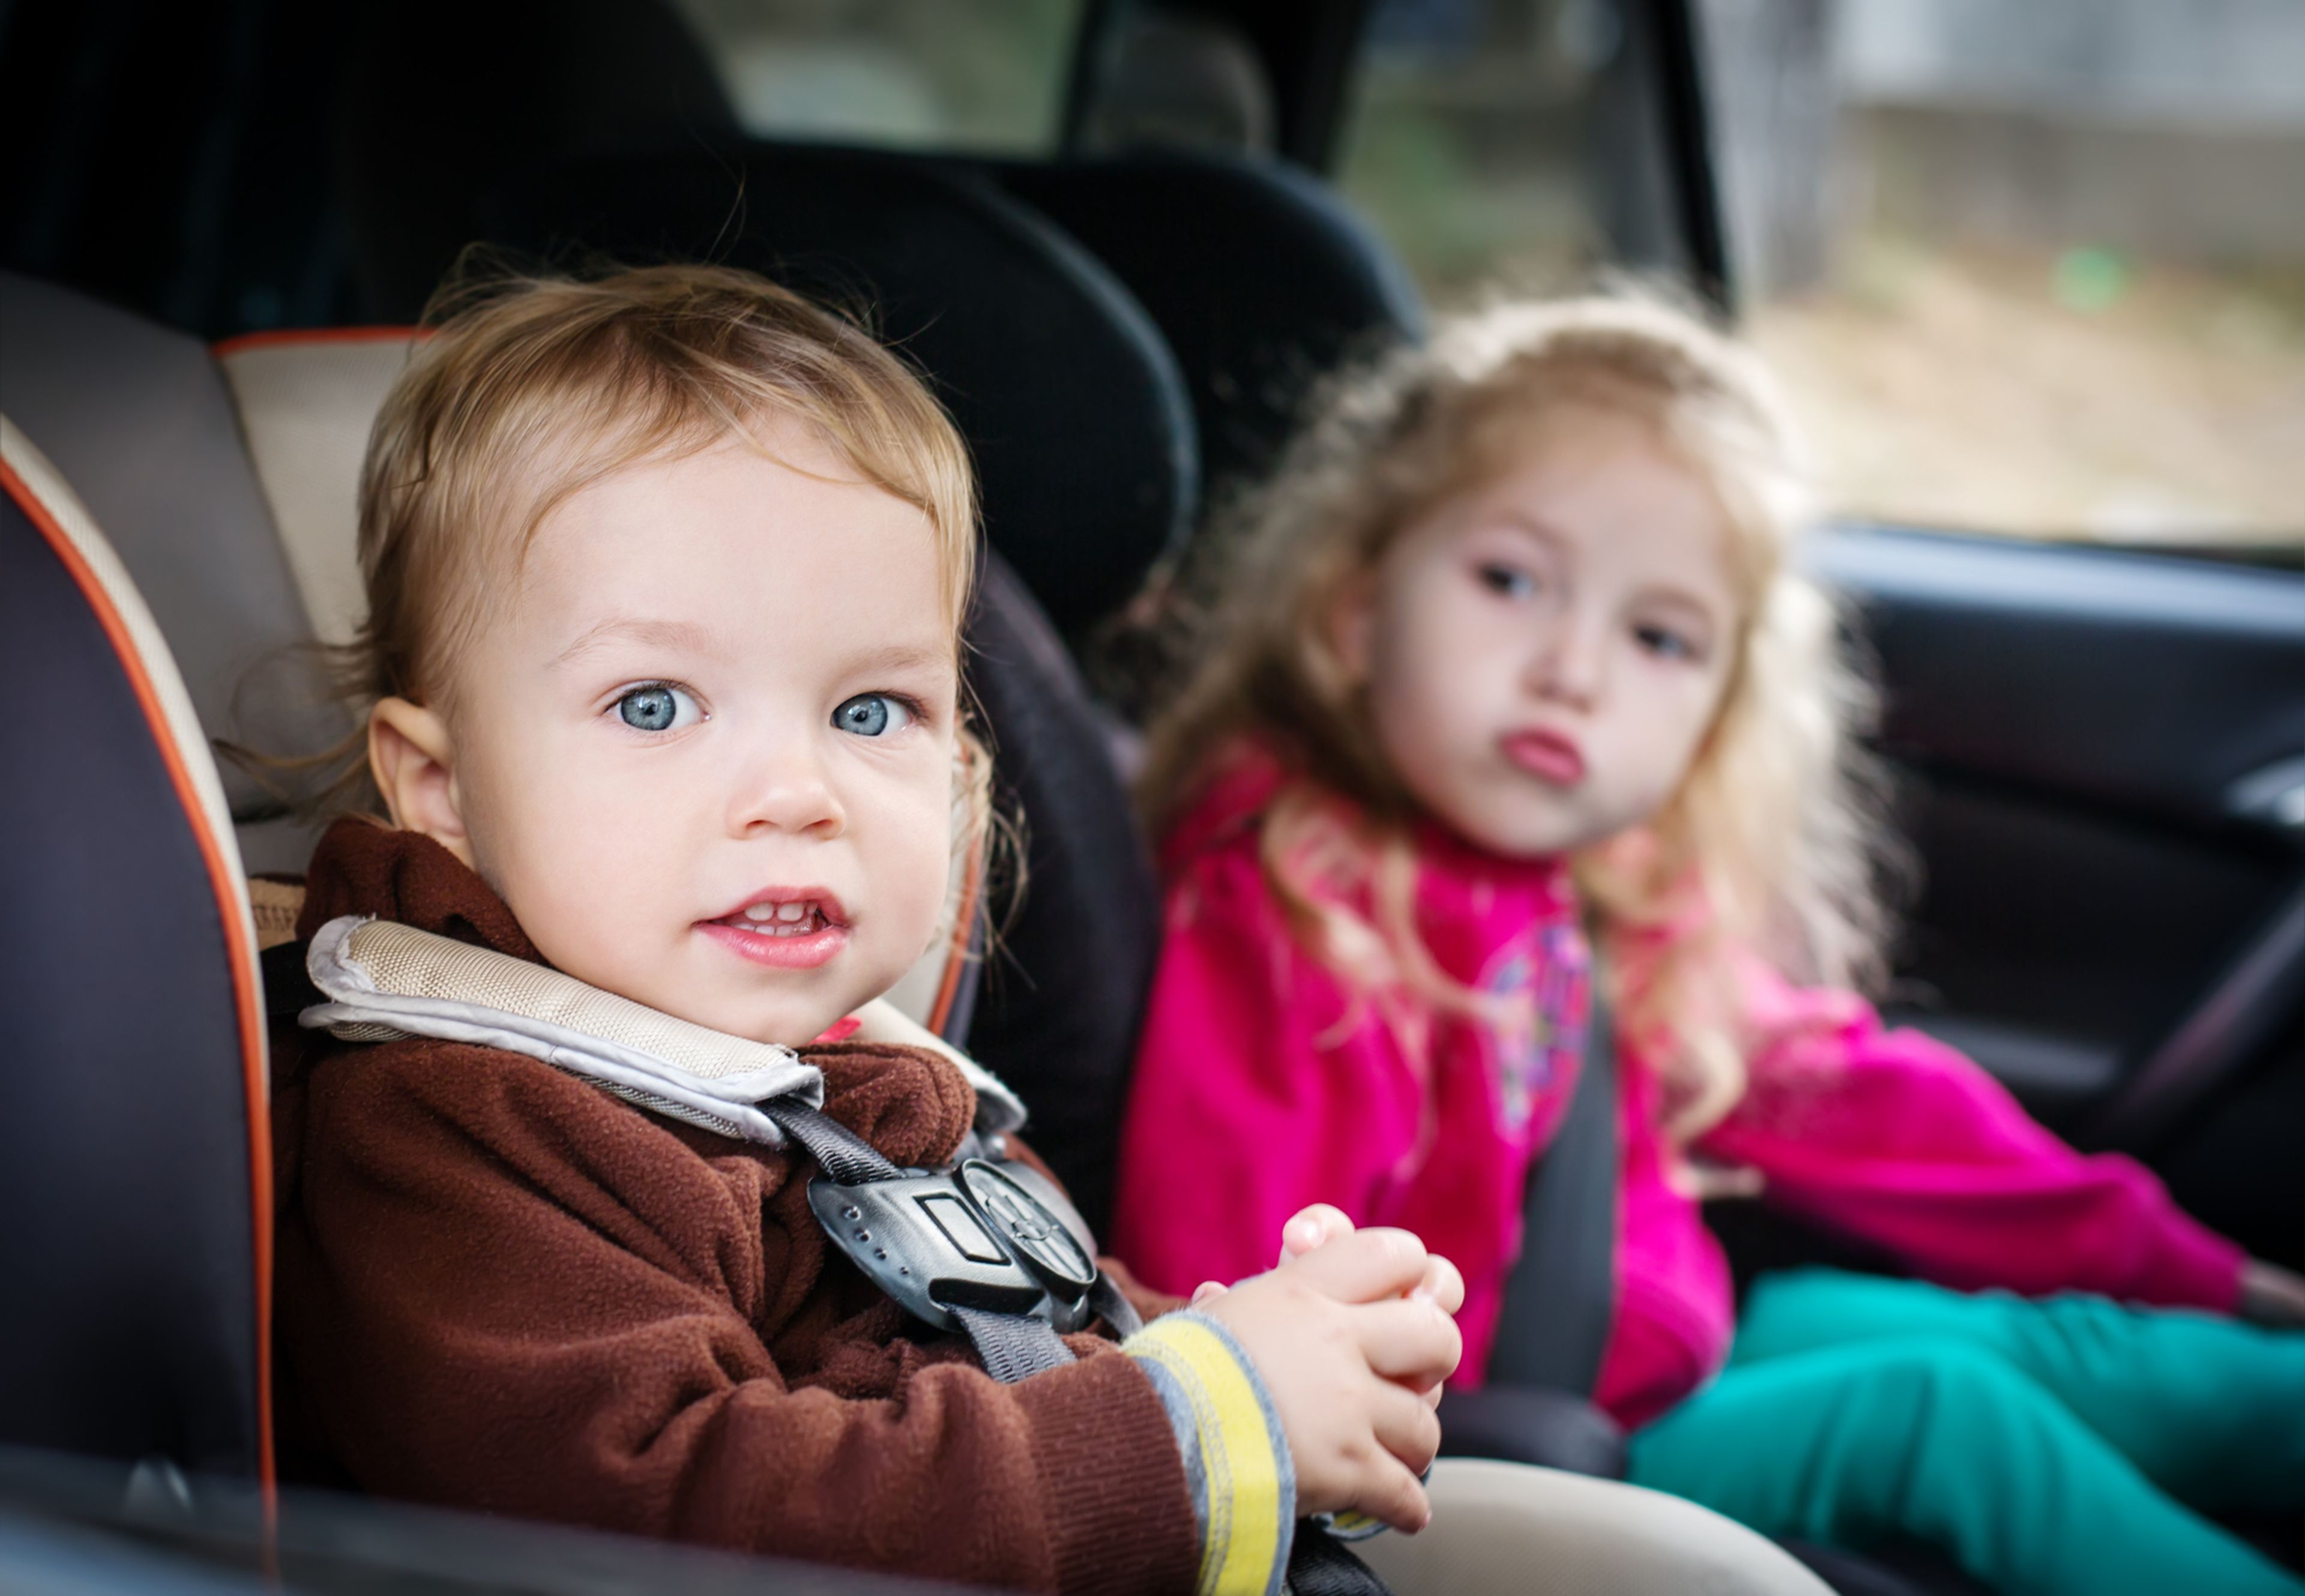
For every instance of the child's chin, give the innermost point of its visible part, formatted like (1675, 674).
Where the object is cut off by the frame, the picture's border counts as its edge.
(1522, 835)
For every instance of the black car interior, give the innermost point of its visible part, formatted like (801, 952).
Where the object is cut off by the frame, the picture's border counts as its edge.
(1126, 337)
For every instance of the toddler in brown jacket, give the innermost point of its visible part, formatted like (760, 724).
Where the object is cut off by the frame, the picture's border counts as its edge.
(666, 575)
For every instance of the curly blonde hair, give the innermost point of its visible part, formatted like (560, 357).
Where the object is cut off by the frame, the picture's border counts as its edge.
(1768, 846)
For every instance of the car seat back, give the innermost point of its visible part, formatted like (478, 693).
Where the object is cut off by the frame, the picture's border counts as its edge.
(1262, 280)
(134, 1156)
(137, 419)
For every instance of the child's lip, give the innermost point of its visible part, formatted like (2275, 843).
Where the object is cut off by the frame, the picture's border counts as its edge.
(763, 930)
(1550, 756)
(803, 950)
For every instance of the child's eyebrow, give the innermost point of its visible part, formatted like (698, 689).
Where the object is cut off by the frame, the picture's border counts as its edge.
(904, 657)
(685, 635)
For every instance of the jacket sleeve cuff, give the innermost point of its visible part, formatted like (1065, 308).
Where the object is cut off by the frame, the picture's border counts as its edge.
(1235, 1455)
(1118, 1512)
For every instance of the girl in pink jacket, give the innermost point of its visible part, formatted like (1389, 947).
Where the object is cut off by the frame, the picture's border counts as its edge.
(1513, 662)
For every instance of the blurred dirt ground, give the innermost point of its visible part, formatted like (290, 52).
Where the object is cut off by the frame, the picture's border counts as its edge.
(2071, 395)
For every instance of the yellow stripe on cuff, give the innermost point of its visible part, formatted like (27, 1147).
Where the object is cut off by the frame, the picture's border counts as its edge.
(1239, 1451)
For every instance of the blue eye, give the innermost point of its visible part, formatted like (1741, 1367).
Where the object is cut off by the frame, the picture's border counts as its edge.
(1507, 581)
(657, 706)
(873, 715)
(1664, 642)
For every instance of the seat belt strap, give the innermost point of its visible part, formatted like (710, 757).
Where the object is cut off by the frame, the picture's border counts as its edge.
(1560, 1298)
(1014, 1346)
(839, 1151)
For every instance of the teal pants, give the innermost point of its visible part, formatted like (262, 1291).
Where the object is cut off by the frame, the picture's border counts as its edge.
(2051, 1447)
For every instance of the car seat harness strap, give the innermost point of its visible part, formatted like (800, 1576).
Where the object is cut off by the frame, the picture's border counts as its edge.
(988, 1248)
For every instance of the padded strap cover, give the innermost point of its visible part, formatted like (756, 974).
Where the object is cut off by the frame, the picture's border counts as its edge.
(386, 980)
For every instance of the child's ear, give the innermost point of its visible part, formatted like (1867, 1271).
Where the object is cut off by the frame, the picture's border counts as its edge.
(414, 762)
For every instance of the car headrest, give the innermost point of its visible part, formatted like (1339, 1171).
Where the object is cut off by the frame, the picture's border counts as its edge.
(135, 1153)
(306, 403)
(136, 417)
(1260, 278)
(1074, 408)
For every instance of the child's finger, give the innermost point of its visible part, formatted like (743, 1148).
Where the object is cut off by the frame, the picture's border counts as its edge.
(1365, 1267)
(1406, 1428)
(1206, 1290)
(1394, 1495)
(1411, 1343)
(1442, 1285)
(1310, 1227)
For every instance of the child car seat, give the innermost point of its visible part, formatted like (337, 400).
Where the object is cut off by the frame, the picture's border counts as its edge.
(135, 1154)
(1260, 277)
(137, 420)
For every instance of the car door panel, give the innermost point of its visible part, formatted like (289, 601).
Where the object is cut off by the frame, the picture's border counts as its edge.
(2099, 761)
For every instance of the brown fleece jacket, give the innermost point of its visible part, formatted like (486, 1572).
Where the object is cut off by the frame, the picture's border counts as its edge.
(499, 1287)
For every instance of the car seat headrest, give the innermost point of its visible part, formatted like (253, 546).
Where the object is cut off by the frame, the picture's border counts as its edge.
(134, 1156)
(1260, 278)
(136, 417)
(306, 401)
(1075, 410)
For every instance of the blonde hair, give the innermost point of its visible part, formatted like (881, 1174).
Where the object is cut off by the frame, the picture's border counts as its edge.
(523, 390)
(1767, 845)
(529, 389)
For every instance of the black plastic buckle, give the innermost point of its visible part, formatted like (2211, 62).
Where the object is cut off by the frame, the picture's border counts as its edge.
(996, 1236)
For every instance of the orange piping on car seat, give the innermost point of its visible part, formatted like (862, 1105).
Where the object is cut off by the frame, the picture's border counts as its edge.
(247, 1000)
(233, 346)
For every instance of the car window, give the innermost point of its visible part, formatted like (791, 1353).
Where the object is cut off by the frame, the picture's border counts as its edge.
(986, 77)
(1512, 140)
(2036, 268)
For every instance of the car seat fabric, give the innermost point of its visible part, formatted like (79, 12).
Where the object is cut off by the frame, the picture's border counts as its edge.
(136, 417)
(1072, 404)
(135, 1158)
(1063, 991)
(1259, 276)
(306, 401)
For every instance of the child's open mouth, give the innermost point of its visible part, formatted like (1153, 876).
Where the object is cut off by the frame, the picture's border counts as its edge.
(785, 930)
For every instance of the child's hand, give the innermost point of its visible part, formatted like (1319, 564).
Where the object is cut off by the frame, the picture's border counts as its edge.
(1307, 1229)
(1346, 1342)
(1314, 1227)
(2271, 1295)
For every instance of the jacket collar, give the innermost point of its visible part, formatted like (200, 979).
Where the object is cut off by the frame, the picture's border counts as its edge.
(911, 1101)
(364, 867)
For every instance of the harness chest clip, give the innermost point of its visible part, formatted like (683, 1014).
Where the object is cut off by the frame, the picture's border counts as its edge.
(993, 1237)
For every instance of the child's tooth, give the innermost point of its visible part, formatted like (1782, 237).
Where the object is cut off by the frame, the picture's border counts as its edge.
(760, 911)
(790, 913)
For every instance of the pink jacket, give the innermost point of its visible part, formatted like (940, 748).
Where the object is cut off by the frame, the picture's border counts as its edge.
(1261, 1087)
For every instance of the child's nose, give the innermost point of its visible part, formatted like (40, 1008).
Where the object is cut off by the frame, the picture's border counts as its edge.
(1570, 666)
(787, 791)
